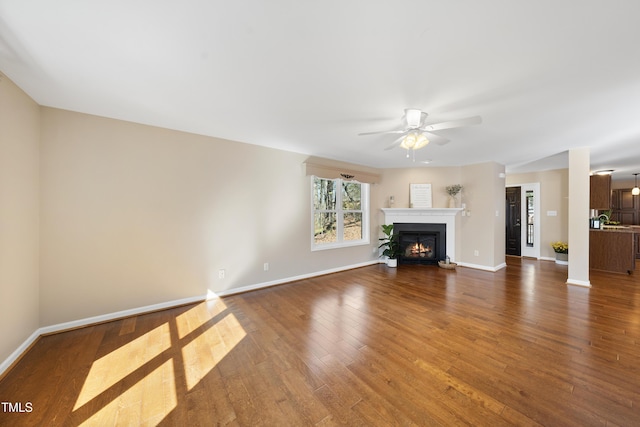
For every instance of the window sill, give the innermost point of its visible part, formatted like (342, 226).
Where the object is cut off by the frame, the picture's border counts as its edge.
(327, 246)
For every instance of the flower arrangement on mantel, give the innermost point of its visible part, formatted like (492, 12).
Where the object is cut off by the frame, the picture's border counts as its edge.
(560, 247)
(453, 190)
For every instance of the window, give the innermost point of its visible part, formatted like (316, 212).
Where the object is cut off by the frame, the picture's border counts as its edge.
(340, 212)
(530, 217)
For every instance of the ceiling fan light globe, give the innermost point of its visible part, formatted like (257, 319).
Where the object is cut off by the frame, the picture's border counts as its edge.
(409, 141)
(414, 141)
(421, 141)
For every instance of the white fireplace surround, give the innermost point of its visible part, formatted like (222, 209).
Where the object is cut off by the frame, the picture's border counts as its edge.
(447, 216)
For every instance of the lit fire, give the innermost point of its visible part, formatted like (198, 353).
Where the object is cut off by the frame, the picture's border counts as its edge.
(418, 249)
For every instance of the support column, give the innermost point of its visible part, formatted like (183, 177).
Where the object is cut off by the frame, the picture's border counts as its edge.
(579, 165)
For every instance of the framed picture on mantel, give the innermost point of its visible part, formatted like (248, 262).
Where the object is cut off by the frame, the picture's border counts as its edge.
(420, 196)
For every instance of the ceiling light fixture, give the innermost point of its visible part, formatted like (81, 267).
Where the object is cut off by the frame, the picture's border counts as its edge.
(635, 190)
(604, 172)
(414, 141)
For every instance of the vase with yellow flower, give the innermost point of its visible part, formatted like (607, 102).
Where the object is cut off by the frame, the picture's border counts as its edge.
(562, 252)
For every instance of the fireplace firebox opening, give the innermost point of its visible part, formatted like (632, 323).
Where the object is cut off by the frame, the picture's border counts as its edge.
(421, 243)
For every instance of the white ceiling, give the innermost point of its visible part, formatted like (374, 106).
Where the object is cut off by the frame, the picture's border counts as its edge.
(546, 76)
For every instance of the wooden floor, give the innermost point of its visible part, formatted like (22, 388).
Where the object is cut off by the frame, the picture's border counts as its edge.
(372, 346)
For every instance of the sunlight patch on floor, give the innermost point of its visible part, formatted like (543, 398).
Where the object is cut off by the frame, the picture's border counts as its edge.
(115, 366)
(147, 403)
(205, 334)
(202, 354)
(197, 316)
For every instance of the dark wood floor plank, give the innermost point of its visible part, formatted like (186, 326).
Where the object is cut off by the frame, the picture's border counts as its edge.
(417, 345)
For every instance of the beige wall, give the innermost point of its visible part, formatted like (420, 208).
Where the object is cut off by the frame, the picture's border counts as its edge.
(554, 196)
(135, 215)
(483, 230)
(19, 195)
(395, 182)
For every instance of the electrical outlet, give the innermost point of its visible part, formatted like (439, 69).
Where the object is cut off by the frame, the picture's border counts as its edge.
(476, 253)
(220, 274)
(266, 266)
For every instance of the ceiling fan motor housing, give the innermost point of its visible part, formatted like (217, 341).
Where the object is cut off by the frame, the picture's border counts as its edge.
(413, 117)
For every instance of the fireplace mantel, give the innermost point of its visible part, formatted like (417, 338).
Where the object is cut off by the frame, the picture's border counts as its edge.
(447, 216)
(420, 212)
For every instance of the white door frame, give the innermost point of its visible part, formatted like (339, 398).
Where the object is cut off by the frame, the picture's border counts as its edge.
(529, 251)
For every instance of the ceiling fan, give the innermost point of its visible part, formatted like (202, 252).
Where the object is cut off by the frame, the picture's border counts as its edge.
(417, 134)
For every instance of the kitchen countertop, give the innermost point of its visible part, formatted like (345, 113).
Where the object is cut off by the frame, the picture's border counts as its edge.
(619, 228)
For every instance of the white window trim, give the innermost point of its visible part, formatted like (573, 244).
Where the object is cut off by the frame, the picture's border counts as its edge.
(364, 200)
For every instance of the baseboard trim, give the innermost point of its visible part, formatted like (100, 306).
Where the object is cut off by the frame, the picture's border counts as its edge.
(14, 357)
(584, 284)
(75, 324)
(293, 279)
(484, 267)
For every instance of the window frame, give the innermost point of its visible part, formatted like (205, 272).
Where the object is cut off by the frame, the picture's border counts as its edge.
(339, 211)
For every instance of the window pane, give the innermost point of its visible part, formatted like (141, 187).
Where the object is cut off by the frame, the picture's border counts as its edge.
(352, 226)
(530, 213)
(324, 224)
(351, 196)
(324, 194)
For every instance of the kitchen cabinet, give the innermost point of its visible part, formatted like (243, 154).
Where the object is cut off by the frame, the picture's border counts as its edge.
(600, 194)
(637, 238)
(612, 250)
(624, 200)
(625, 207)
(625, 217)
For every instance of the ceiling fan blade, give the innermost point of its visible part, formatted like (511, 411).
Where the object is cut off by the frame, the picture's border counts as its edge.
(469, 121)
(436, 139)
(394, 144)
(382, 132)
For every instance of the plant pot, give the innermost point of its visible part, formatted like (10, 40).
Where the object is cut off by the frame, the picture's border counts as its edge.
(392, 262)
(562, 259)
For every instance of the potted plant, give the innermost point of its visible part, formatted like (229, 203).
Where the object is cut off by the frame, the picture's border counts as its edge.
(605, 218)
(562, 252)
(390, 245)
(452, 191)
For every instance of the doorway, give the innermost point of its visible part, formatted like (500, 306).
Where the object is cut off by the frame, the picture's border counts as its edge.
(513, 221)
(522, 217)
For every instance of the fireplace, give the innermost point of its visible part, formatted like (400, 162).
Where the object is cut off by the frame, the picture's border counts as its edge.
(421, 243)
(429, 216)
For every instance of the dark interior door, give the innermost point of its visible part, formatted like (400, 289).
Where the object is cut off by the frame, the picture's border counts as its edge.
(512, 219)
